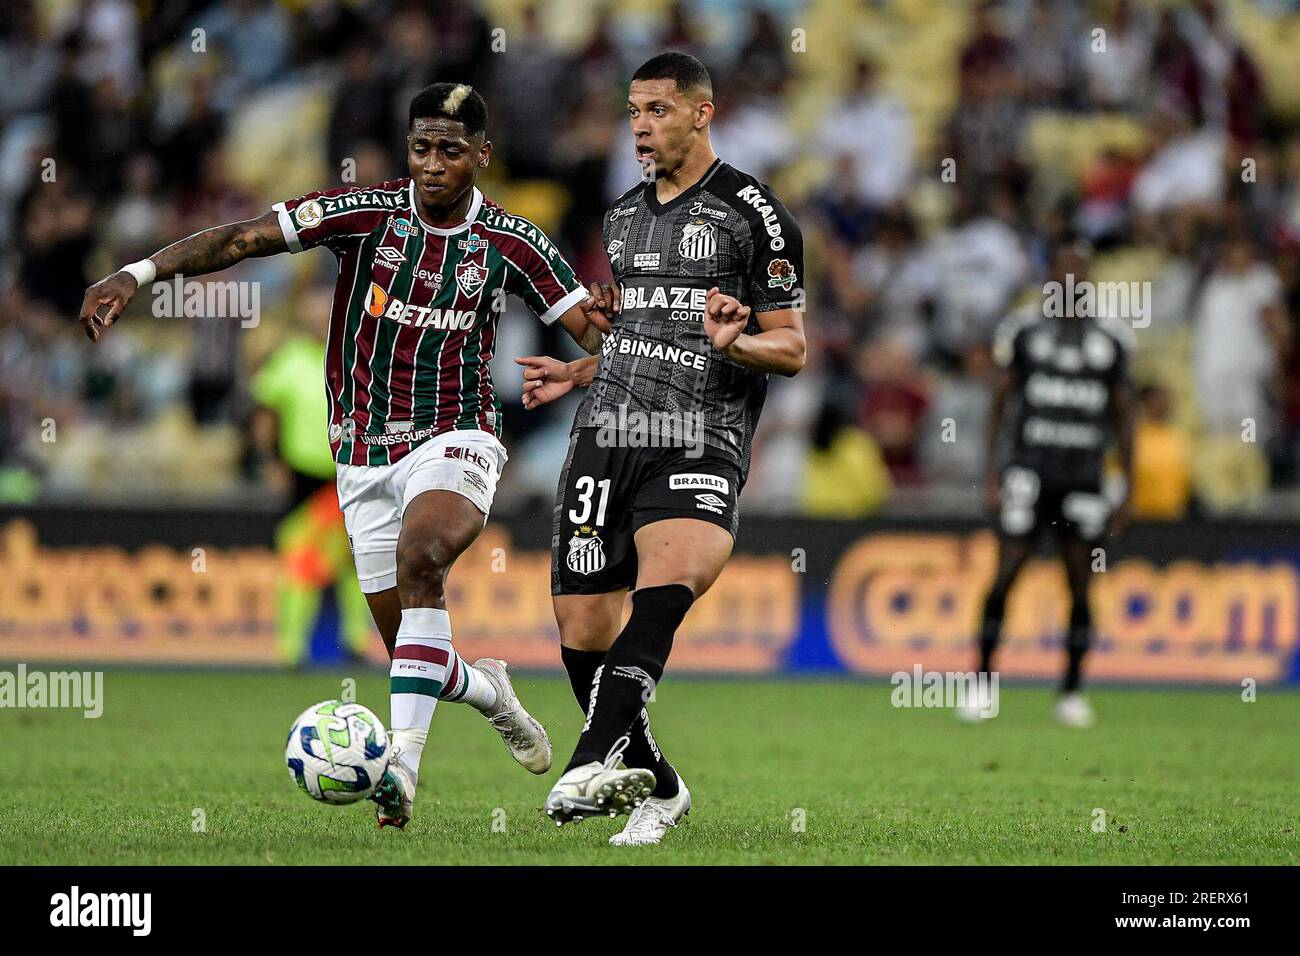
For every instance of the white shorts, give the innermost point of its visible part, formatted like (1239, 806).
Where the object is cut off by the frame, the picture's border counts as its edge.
(374, 497)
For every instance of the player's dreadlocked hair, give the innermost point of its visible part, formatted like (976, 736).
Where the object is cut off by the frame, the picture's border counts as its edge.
(454, 101)
(682, 68)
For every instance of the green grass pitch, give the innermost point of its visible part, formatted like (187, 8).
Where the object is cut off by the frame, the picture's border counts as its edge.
(793, 772)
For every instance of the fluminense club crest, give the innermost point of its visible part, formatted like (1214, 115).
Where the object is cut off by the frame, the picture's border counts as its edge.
(586, 551)
(470, 277)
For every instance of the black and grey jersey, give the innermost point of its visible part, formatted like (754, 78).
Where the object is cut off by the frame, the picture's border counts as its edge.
(730, 231)
(1067, 370)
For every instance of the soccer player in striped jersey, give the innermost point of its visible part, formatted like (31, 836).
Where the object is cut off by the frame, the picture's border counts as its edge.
(424, 265)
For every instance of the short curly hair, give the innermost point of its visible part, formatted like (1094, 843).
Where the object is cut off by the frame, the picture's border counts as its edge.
(453, 101)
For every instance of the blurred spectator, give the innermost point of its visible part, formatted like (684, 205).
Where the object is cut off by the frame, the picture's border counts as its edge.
(845, 476)
(1241, 341)
(1184, 167)
(1232, 90)
(985, 134)
(1175, 74)
(57, 230)
(133, 228)
(679, 32)
(112, 44)
(893, 407)
(766, 51)
(1104, 195)
(980, 265)
(1045, 57)
(750, 128)
(1117, 61)
(353, 117)
(1162, 458)
(988, 50)
(869, 136)
(952, 443)
(29, 62)
(892, 283)
(1240, 348)
(532, 90)
(183, 140)
(600, 60)
(328, 28)
(254, 37)
(462, 44)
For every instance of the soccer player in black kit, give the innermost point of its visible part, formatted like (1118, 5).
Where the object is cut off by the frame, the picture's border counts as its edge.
(1069, 377)
(707, 301)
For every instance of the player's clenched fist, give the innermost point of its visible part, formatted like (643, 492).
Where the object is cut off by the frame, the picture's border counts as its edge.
(104, 302)
(724, 319)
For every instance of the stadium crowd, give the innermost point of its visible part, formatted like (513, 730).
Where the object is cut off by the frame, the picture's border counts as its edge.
(934, 152)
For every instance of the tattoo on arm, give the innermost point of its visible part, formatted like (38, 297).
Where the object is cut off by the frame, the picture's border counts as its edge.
(592, 339)
(217, 248)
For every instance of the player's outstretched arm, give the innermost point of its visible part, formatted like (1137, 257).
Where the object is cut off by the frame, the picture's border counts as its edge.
(546, 379)
(209, 250)
(780, 347)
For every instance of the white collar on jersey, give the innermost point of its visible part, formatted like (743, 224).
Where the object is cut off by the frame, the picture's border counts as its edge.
(475, 204)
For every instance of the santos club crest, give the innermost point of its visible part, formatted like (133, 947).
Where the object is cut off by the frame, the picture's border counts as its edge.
(586, 554)
(699, 240)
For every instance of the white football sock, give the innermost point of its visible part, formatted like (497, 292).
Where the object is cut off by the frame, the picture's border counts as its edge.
(418, 672)
(466, 685)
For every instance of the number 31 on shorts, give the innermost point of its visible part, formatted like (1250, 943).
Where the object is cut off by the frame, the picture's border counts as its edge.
(586, 487)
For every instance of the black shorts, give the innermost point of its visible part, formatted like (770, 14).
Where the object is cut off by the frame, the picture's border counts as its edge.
(607, 494)
(1031, 502)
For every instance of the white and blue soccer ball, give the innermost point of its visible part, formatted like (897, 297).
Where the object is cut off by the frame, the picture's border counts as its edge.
(337, 752)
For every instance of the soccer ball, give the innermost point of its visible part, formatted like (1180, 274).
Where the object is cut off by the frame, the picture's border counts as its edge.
(337, 752)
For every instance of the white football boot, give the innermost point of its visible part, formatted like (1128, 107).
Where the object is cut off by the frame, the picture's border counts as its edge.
(395, 794)
(598, 788)
(1073, 710)
(655, 817)
(525, 738)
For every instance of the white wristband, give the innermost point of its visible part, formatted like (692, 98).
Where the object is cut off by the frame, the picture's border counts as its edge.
(143, 271)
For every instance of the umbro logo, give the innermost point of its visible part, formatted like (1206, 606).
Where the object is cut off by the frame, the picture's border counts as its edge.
(391, 254)
(710, 502)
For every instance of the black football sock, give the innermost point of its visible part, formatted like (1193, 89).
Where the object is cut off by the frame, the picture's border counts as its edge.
(991, 628)
(643, 750)
(581, 667)
(1077, 641)
(632, 666)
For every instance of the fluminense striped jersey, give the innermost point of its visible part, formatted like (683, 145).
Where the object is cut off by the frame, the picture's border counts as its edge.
(414, 322)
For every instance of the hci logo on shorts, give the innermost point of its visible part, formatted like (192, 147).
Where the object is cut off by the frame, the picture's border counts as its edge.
(586, 555)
